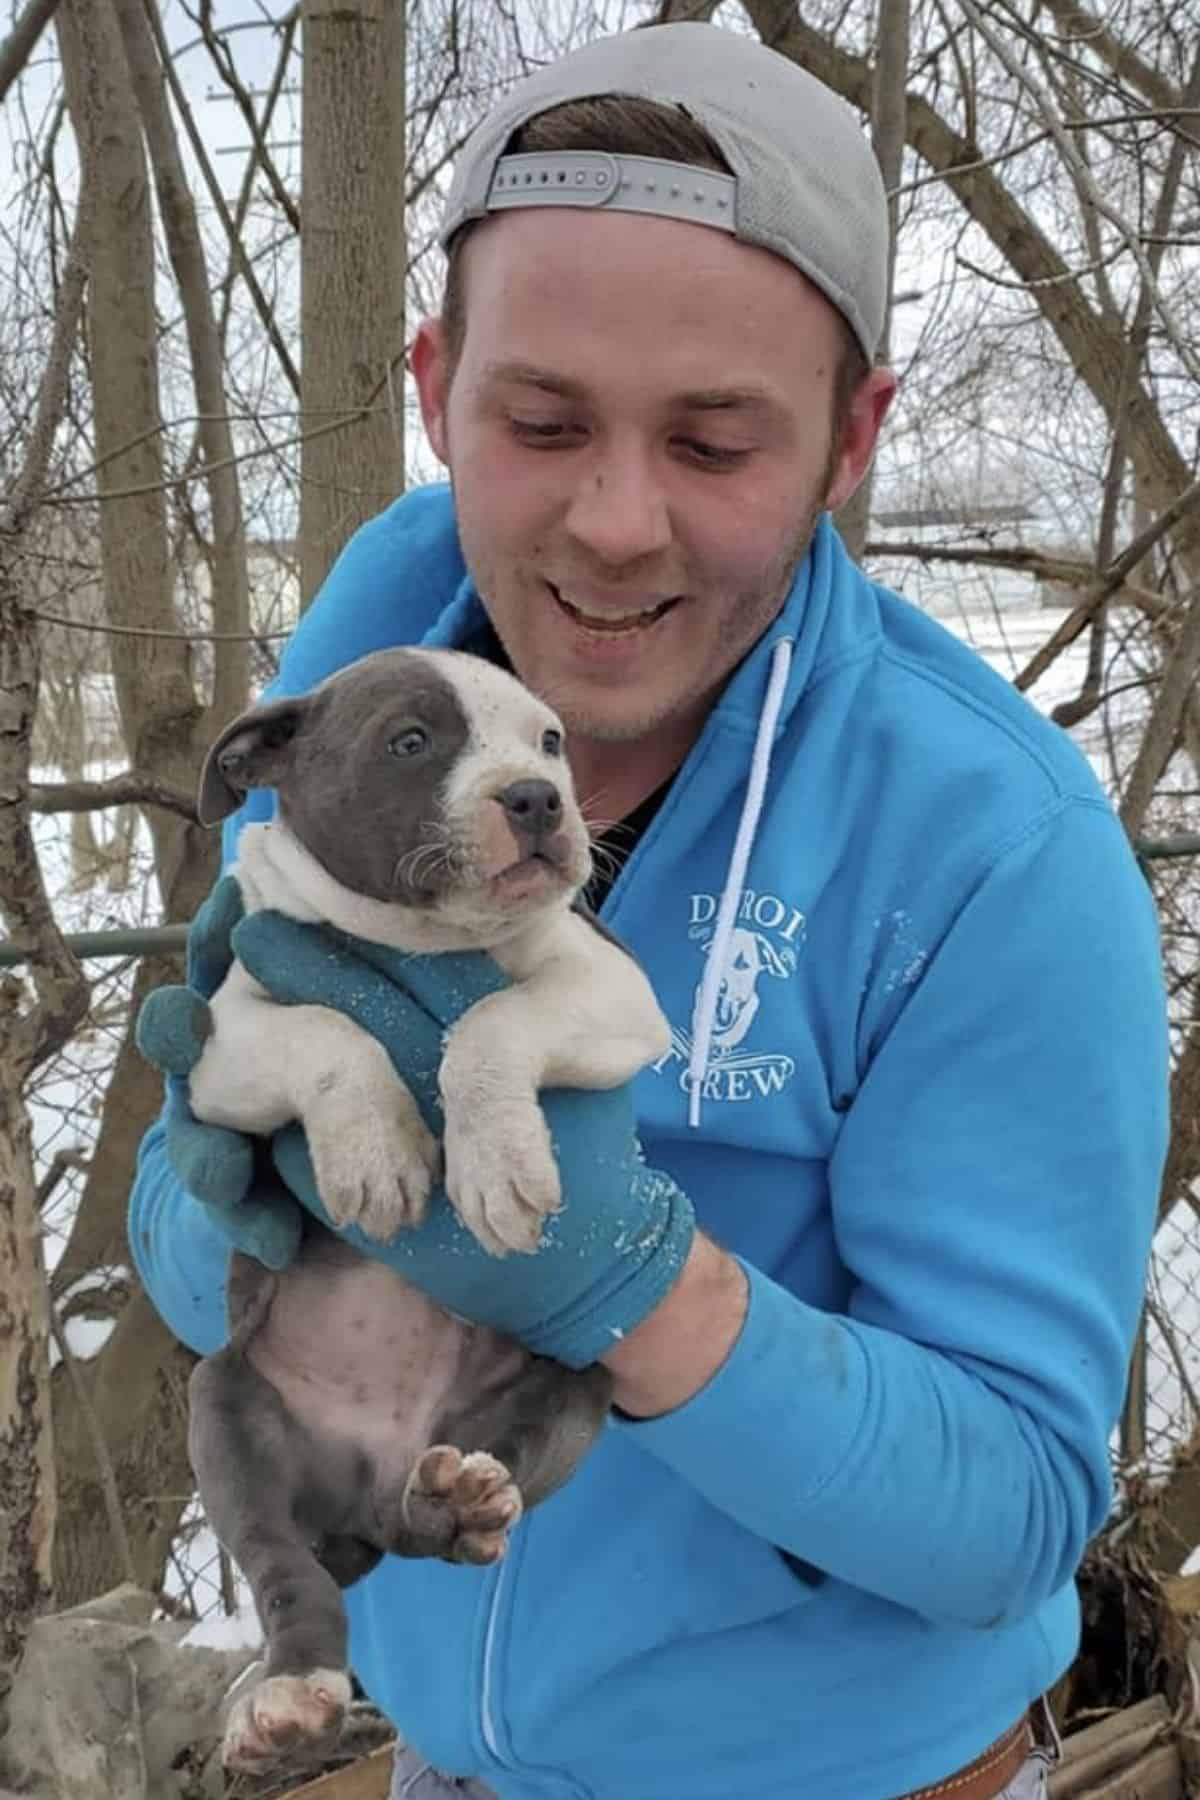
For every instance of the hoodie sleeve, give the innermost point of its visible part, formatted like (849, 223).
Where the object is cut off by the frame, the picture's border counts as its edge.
(390, 583)
(994, 1192)
(181, 1256)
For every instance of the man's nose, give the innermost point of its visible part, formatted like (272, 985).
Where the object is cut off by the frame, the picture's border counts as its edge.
(618, 511)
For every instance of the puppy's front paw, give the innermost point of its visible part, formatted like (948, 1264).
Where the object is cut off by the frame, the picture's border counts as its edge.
(284, 1715)
(373, 1157)
(501, 1175)
(465, 1504)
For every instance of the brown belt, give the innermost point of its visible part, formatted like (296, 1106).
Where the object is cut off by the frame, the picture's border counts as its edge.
(989, 1774)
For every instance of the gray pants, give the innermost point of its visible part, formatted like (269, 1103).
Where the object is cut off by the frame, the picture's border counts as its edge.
(1029, 1783)
(415, 1779)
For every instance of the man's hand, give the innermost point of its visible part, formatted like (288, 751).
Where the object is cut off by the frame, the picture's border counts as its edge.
(223, 1169)
(606, 1260)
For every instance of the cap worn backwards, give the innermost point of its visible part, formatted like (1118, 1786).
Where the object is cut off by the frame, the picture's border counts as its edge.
(804, 183)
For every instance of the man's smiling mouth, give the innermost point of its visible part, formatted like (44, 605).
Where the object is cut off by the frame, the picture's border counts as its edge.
(613, 624)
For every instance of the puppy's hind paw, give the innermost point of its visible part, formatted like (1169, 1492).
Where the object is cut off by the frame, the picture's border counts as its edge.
(465, 1504)
(284, 1716)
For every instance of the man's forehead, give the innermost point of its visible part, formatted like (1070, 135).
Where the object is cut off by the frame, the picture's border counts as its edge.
(541, 288)
(559, 256)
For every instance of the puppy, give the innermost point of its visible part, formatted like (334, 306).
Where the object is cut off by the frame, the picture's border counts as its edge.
(424, 802)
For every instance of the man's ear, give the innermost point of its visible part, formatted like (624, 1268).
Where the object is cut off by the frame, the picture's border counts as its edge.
(430, 364)
(253, 751)
(864, 418)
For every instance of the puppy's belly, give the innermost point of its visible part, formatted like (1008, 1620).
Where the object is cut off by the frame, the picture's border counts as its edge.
(366, 1364)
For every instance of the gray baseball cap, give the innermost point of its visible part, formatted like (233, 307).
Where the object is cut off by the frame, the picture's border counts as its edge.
(805, 182)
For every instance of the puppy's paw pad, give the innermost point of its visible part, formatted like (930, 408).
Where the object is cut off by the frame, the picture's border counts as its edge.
(468, 1502)
(282, 1715)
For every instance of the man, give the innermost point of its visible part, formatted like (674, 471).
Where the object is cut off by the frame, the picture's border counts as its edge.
(916, 1094)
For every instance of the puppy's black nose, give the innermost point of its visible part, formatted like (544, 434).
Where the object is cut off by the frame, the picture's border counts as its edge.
(534, 807)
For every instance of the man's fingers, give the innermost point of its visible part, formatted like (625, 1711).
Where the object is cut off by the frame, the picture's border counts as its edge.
(303, 965)
(381, 987)
(214, 1164)
(210, 949)
(172, 1027)
(297, 964)
(268, 1228)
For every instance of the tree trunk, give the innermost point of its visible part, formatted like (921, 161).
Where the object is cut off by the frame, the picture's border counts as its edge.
(38, 1013)
(26, 1438)
(352, 263)
(27, 1497)
(165, 726)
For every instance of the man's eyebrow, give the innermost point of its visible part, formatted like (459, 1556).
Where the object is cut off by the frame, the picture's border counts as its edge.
(530, 375)
(731, 399)
(715, 399)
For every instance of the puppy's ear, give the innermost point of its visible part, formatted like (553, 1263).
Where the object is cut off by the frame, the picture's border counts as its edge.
(252, 751)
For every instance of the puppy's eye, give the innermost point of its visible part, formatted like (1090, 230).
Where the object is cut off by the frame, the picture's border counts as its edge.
(409, 742)
(552, 743)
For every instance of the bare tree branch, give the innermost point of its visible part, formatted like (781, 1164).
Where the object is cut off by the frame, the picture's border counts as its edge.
(244, 265)
(1088, 184)
(24, 905)
(1157, 745)
(17, 47)
(165, 483)
(1078, 617)
(260, 157)
(60, 1162)
(149, 631)
(141, 33)
(275, 88)
(29, 488)
(1095, 350)
(1062, 571)
(117, 790)
(889, 98)
(1081, 27)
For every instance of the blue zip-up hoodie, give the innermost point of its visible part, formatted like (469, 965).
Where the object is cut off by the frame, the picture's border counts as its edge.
(932, 1125)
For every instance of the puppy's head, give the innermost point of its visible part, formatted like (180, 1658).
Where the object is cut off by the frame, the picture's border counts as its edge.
(421, 778)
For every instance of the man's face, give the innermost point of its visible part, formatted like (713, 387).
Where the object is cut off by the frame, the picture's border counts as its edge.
(639, 435)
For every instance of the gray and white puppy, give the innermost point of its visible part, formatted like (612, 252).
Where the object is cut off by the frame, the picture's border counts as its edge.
(425, 803)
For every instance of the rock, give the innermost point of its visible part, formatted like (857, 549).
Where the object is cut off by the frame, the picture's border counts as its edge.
(107, 1703)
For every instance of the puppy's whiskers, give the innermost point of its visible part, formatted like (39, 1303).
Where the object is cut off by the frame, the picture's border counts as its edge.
(592, 819)
(608, 859)
(425, 863)
(607, 863)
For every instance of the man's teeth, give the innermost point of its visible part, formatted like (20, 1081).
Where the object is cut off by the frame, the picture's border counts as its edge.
(622, 621)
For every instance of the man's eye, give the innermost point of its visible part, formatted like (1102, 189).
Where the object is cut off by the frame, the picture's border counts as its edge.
(552, 743)
(542, 431)
(409, 742)
(713, 456)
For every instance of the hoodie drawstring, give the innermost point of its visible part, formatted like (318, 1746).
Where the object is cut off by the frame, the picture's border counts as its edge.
(714, 969)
